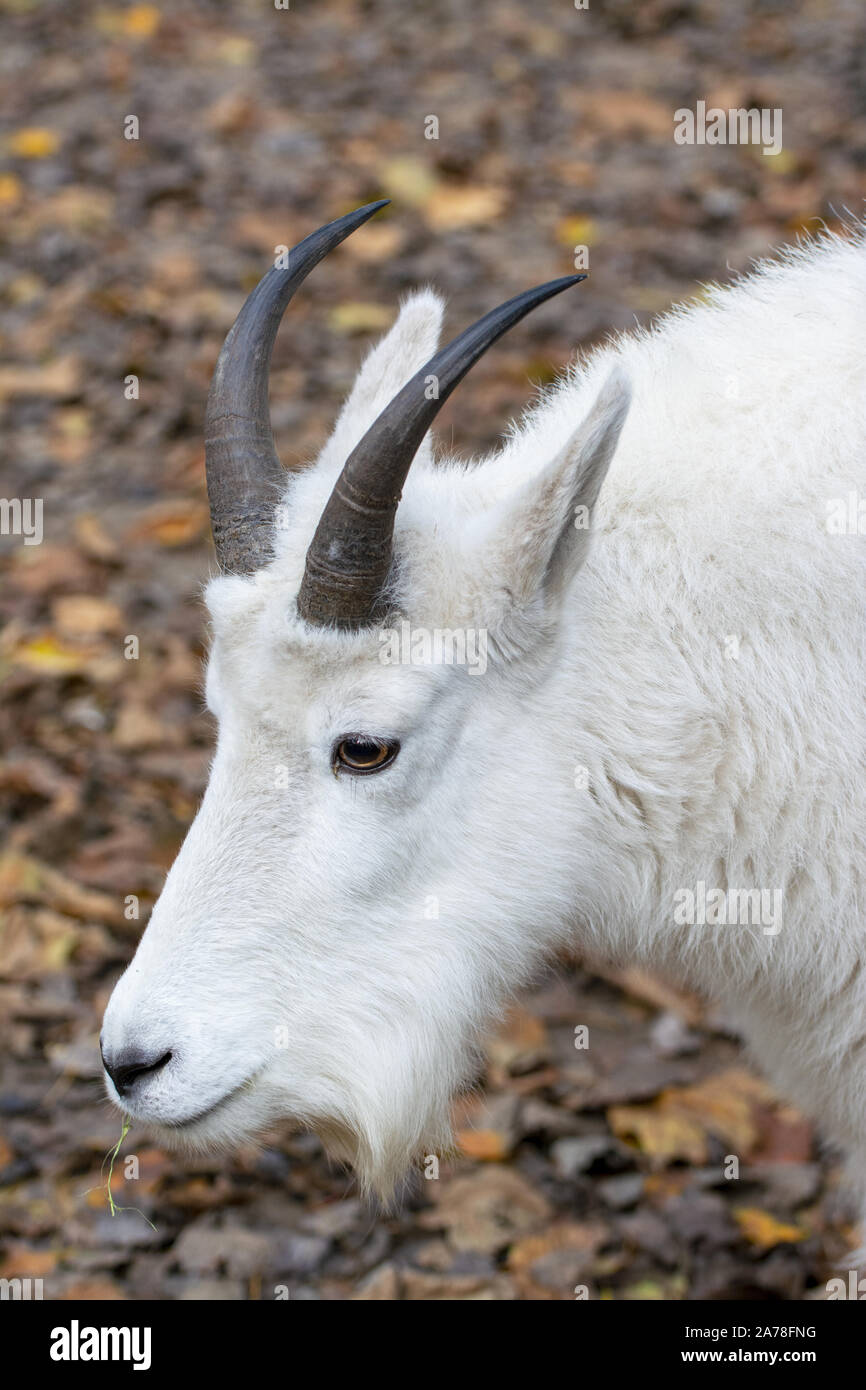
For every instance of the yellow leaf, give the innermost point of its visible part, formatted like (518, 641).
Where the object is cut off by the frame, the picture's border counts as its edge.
(358, 316)
(408, 180)
(763, 1230)
(577, 231)
(779, 162)
(677, 1123)
(10, 190)
(236, 50)
(34, 142)
(661, 1133)
(141, 21)
(46, 654)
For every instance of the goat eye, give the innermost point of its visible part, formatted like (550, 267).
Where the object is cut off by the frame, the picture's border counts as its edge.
(361, 754)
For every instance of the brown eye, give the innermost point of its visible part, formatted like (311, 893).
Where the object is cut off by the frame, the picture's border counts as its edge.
(361, 754)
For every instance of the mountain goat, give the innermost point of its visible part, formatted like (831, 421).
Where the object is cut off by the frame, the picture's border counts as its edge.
(661, 757)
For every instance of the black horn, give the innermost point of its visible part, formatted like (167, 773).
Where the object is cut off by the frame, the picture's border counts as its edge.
(244, 474)
(349, 559)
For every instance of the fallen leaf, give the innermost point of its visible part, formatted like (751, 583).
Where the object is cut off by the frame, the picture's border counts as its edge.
(485, 1144)
(84, 615)
(764, 1230)
(138, 727)
(359, 316)
(662, 1133)
(174, 524)
(54, 380)
(93, 538)
(485, 1210)
(519, 1044)
(33, 142)
(450, 208)
(141, 21)
(49, 656)
(548, 1265)
(23, 1262)
(408, 181)
(577, 231)
(10, 190)
(24, 879)
(380, 242)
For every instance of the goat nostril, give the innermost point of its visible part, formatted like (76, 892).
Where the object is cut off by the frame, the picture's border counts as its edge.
(129, 1068)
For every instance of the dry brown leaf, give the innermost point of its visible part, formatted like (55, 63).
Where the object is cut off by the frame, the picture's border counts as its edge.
(172, 524)
(485, 1210)
(24, 879)
(56, 379)
(380, 242)
(520, 1044)
(91, 535)
(79, 615)
(137, 726)
(488, 1145)
(649, 988)
(23, 1262)
(581, 1241)
(450, 208)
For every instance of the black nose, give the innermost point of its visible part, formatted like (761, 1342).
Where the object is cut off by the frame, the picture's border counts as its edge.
(128, 1068)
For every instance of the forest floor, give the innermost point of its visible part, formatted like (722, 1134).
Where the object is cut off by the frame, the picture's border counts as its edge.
(605, 1167)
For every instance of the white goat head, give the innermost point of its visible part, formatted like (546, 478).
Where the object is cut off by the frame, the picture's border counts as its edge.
(353, 898)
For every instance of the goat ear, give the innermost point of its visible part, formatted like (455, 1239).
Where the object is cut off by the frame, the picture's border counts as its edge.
(405, 348)
(548, 529)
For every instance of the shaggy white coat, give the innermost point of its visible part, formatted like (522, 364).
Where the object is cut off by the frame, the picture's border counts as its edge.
(674, 695)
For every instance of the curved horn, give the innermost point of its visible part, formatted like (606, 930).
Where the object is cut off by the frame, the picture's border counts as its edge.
(244, 475)
(349, 559)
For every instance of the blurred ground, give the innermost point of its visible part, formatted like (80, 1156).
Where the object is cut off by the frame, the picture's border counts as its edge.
(119, 257)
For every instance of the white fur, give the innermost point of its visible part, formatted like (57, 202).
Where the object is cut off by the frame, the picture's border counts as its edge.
(305, 902)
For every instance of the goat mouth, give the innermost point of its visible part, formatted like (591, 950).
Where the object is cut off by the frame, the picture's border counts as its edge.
(211, 1111)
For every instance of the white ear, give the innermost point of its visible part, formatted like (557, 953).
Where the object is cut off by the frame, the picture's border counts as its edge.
(388, 366)
(544, 537)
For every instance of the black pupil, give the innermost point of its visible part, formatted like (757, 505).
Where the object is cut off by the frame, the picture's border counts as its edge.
(361, 751)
